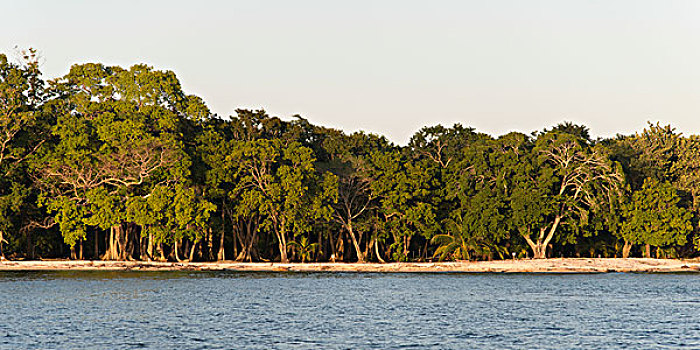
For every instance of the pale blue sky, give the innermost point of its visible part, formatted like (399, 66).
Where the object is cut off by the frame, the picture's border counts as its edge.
(391, 67)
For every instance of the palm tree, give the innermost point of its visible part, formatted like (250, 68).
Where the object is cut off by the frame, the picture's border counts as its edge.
(303, 248)
(462, 242)
(450, 246)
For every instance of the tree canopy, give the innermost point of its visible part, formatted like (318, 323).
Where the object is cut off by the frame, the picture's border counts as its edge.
(120, 163)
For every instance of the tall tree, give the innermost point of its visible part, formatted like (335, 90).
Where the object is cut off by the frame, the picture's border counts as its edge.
(654, 217)
(21, 135)
(578, 179)
(117, 136)
(405, 208)
(281, 182)
(346, 156)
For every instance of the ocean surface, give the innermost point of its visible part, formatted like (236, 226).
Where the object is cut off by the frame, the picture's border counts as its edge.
(202, 310)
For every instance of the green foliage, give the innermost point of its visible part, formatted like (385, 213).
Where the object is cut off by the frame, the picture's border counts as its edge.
(304, 248)
(466, 240)
(174, 213)
(124, 155)
(21, 94)
(280, 182)
(402, 187)
(654, 216)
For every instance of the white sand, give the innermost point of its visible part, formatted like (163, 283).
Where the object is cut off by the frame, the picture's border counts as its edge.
(510, 266)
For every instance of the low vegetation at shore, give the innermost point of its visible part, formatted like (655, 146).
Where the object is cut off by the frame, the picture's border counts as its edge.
(112, 163)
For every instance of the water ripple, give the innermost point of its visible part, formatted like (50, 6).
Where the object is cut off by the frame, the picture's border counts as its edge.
(109, 310)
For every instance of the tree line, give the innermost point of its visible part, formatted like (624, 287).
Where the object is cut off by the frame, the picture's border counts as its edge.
(121, 164)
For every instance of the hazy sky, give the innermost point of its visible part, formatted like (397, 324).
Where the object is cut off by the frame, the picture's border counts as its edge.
(391, 67)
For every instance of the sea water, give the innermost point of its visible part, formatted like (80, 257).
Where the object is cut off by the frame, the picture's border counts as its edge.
(203, 310)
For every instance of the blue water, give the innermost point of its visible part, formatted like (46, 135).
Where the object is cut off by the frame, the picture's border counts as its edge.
(195, 310)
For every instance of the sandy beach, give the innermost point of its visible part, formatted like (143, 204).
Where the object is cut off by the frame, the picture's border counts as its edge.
(502, 266)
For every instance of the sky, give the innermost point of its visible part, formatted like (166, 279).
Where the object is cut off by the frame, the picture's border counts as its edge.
(392, 67)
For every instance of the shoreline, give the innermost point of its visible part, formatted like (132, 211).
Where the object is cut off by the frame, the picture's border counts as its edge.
(557, 265)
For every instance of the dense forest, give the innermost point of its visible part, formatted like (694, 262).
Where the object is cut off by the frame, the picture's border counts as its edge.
(121, 164)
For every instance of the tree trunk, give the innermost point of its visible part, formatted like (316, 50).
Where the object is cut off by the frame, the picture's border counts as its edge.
(340, 246)
(175, 249)
(246, 241)
(108, 245)
(143, 242)
(149, 250)
(111, 249)
(369, 247)
(376, 251)
(647, 251)
(320, 254)
(221, 255)
(236, 238)
(539, 248)
(626, 250)
(2, 250)
(283, 248)
(72, 252)
(249, 248)
(210, 245)
(129, 243)
(279, 229)
(540, 251)
(185, 245)
(80, 250)
(96, 254)
(121, 242)
(115, 243)
(356, 244)
(405, 247)
(133, 241)
(162, 251)
(192, 251)
(333, 253)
